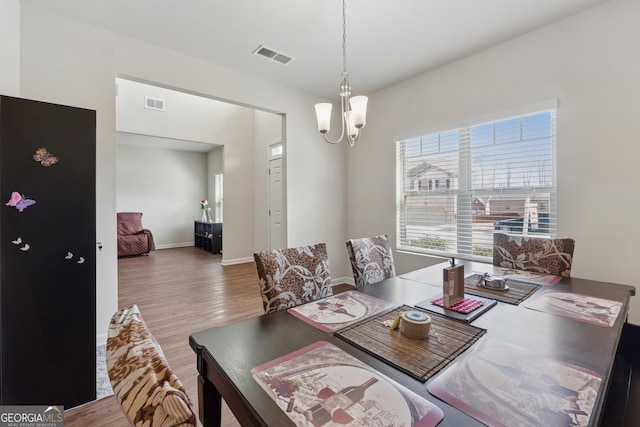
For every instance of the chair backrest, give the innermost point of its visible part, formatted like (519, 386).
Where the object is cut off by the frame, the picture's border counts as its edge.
(371, 259)
(536, 254)
(129, 223)
(293, 276)
(148, 391)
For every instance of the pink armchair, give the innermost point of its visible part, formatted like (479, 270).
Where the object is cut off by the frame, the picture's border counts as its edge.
(132, 238)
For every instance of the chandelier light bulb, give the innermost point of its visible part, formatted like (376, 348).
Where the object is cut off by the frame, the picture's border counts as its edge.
(323, 113)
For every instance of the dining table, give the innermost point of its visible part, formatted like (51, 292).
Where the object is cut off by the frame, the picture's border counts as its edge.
(228, 356)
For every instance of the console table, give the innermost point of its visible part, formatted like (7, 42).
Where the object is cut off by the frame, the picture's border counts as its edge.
(208, 236)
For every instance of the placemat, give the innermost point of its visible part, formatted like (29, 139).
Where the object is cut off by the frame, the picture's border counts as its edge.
(584, 308)
(340, 310)
(517, 292)
(420, 359)
(308, 383)
(501, 384)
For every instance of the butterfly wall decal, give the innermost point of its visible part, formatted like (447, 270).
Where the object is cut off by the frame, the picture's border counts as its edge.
(44, 157)
(18, 241)
(19, 201)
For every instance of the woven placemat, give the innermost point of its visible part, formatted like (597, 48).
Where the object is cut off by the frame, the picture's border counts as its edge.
(420, 359)
(517, 292)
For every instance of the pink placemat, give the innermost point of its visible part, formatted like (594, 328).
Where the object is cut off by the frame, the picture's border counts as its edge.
(584, 308)
(503, 385)
(340, 310)
(318, 383)
(467, 305)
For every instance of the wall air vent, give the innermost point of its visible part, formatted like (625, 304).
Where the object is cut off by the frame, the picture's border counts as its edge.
(153, 103)
(273, 55)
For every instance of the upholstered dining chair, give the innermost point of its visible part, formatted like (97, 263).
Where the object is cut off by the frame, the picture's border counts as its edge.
(536, 254)
(371, 259)
(293, 276)
(148, 391)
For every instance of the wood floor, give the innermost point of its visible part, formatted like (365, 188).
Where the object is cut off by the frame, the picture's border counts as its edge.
(179, 291)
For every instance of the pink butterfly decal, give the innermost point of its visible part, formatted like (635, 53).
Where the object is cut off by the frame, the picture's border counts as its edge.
(19, 201)
(44, 157)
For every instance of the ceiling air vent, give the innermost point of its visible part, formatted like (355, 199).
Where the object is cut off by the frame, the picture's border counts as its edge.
(273, 55)
(153, 103)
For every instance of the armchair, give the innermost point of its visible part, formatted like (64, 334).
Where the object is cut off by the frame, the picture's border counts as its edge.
(133, 239)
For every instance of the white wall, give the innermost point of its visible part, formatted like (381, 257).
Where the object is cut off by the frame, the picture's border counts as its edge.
(76, 64)
(268, 129)
(10, 47)
(590, 64)
(166, 186)
(186, 116)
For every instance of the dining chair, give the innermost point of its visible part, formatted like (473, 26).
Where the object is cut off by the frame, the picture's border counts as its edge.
(293, 276)
(148, 391)
(371, 259)
(536, 254)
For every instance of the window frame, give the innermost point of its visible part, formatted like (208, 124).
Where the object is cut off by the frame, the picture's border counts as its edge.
(465, 193)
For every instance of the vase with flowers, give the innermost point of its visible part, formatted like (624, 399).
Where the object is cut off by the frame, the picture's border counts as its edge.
(204, 205)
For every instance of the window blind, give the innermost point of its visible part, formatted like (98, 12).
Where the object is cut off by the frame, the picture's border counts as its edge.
(456, 187)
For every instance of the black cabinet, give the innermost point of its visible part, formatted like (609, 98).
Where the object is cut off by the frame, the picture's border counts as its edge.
(208, 236)
(47, 254)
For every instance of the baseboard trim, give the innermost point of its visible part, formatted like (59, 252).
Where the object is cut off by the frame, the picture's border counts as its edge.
(174, 245)
(346, 280)
(101, 339)
(226, 262)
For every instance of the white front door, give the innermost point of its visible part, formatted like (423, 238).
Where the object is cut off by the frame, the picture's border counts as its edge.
(276, 224)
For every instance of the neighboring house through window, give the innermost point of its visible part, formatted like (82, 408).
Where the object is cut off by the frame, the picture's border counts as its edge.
(471, 177)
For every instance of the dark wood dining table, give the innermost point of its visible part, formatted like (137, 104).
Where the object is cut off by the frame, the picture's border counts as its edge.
(226, 354)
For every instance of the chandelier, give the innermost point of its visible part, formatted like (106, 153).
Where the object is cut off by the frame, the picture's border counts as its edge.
(353, 110)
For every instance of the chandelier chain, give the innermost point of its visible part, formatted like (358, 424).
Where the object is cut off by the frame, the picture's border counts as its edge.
(344, 38)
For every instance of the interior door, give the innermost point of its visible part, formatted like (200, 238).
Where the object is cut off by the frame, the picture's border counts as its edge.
(47, 262)
(276, 217)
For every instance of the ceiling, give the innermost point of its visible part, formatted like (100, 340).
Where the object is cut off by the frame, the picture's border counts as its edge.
(387, 41)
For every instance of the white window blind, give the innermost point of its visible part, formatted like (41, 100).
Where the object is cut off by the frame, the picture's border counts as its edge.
(457, 186)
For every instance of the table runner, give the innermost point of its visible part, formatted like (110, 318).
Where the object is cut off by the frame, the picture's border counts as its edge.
(517, 292)
(420, 359)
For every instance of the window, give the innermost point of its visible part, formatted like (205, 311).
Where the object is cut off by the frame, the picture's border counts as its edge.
(494, 175)
(275, 150)
(217, 203)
